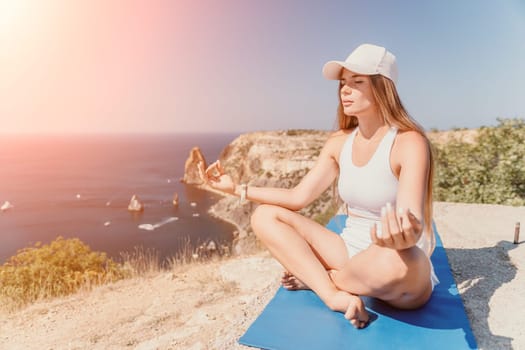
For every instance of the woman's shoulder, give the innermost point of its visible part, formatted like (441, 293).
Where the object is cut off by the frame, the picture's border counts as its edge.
(411, 138)
(338, 137)
(411, 143)
(341, 133)
(335, 142)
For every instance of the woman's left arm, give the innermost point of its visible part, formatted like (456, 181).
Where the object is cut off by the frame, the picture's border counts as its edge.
(402, 226)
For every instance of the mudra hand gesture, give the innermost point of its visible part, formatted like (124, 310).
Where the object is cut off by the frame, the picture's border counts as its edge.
(398, 231)
(215, 177)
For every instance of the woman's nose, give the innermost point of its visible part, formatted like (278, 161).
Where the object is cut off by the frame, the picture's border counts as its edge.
(346, 90)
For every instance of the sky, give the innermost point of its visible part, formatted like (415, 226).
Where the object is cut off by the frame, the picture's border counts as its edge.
(161, 66)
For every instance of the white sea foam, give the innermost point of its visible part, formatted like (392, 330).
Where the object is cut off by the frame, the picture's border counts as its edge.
(6, 206)
(151, 227)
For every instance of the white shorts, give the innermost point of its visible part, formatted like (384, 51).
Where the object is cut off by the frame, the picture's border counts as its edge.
(356, 236)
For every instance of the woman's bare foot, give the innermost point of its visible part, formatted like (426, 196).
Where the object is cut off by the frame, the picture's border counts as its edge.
(352, 306)
(290, 282)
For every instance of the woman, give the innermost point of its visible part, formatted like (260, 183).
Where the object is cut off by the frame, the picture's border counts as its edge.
(383, 163)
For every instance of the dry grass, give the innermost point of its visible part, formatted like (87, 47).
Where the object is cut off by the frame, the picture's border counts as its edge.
(25, 289)
(141, 262)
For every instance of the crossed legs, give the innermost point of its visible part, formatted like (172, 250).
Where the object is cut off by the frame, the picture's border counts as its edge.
(308, 255)
(309, 251)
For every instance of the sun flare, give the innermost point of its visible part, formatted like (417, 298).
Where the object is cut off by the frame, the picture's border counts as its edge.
(11, 14)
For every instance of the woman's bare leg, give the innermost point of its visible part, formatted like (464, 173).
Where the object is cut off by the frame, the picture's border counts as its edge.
(307, 250)
(399, 277)
(408, 289)
(290, 282)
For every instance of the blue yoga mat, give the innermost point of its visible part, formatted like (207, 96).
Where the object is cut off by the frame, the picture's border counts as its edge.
(300, 320)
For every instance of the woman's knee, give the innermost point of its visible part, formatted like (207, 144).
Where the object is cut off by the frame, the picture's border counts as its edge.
(263, 216)
(407, 265)
(396, 266)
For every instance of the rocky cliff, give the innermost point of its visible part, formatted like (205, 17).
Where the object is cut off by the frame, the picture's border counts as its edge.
(275, 159)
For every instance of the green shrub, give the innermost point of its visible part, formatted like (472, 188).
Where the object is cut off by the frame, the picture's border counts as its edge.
(59, 268)
(490, 170)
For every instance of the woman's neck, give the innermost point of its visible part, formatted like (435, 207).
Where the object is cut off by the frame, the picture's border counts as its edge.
(370, 126)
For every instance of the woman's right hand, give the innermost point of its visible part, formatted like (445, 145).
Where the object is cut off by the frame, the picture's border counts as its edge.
(215, 177)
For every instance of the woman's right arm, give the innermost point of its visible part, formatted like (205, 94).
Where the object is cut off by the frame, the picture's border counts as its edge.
(315, 182)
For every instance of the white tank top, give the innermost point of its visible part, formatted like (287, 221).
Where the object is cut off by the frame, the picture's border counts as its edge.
(368, 188)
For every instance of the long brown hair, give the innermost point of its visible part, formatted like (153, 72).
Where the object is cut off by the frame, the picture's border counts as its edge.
(395, 114)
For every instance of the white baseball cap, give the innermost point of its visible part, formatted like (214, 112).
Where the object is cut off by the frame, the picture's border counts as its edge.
(366, 59)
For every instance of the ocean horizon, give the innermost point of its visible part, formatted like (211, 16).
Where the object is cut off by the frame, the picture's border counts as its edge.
(79, 186)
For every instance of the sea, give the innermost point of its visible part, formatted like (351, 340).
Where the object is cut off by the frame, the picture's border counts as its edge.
(79, 186)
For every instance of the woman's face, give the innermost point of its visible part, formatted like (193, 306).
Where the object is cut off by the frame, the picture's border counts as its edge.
(356, 93)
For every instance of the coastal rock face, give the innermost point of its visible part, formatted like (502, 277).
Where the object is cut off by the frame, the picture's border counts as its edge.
(272, 156)
(191, 170)
(272, 159)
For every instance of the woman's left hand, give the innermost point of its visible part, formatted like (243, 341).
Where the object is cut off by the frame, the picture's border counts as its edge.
(399, 231)
(215, 177)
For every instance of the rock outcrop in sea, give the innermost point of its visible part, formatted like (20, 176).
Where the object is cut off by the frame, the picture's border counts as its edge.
(191, 167)
(135, 204)
(273, 159)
